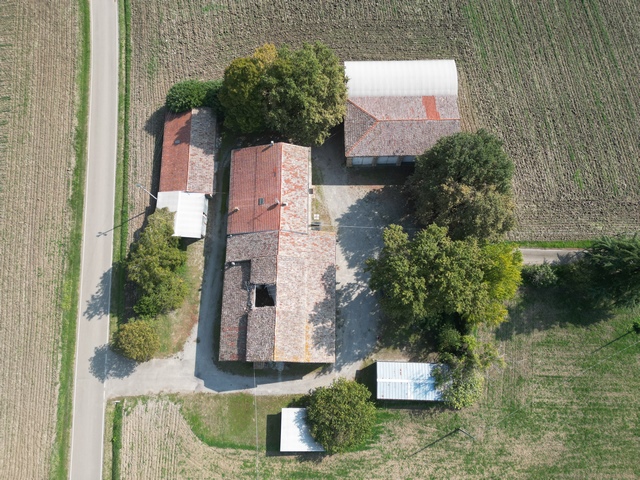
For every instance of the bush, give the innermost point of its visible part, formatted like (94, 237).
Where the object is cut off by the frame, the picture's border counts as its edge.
(635, 327)
(460, 386)
(341, 416)
(188, 94)
(137, 340)
(539, 276)
(168, 296)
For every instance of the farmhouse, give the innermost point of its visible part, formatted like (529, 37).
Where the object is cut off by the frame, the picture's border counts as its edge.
(398, 109)
(186, 173)
(279, 284)
(406, 381)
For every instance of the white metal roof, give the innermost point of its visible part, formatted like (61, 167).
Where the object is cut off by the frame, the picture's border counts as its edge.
(190, 212)
(406, 381)
(294, 432)
(401, 78)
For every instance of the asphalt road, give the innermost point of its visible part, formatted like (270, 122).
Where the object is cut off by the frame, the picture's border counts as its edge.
(93, 319)
(537, 256)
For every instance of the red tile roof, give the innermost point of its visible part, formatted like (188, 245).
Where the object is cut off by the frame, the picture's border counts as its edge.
(268, 189)
(188, 152)
(398, 126)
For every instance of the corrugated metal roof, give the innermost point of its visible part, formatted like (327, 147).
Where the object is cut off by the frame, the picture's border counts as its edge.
(190, 210)
(401, 78)
(294, 432)
(406, 381)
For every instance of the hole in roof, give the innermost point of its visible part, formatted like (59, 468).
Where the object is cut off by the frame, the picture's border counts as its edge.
(265, 295)
(261, 201)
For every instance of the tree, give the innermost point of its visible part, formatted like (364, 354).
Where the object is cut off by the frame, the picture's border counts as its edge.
(137, 340)
(341, 416)
(188, 94)
(300, 94)
(153, 266)
(241, 94)
(306, 93)
(431, 277)
(612, 265)
(464, 183)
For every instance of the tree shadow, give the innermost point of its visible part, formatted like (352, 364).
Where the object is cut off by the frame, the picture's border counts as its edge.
(106, 364)
(98, 304)
(154, 126)
(545, 308)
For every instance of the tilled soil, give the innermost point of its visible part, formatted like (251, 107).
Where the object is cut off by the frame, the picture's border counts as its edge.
(38, 49)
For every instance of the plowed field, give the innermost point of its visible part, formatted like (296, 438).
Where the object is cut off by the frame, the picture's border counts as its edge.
(556, 80)
(38, 50)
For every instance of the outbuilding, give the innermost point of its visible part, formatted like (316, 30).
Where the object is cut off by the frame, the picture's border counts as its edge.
(398, 109)
(187, 170)
(406, 381)
(295, 436)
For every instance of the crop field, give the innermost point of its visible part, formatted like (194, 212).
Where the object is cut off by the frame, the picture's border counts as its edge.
(557, 80)
(38, 103)
(566, 406)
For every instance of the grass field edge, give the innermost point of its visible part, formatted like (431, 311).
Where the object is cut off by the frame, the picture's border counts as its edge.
(71, 280)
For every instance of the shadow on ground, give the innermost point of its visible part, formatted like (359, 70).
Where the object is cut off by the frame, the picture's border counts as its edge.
(106, 364)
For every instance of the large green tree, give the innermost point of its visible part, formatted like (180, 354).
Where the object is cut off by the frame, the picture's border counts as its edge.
(431, 277)
(137, 340)
(613, 270)
(153, 265)
(300, 94)
(464, 183)
(341, 416)
(305, 93)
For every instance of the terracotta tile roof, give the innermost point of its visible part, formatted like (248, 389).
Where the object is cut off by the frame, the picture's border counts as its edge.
(188, 152)
(297, 265)
(391, 126)
(263, 180)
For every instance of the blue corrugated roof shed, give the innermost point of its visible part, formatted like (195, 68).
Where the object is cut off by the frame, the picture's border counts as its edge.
(406, 381)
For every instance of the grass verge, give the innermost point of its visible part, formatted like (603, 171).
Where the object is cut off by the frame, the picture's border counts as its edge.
(121, 210)
(555, 244)
(71, 281)
(116, 441)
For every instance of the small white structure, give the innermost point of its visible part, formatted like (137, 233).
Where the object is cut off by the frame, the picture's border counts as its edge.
(295, 436)
(190, 212)
(412, 78)
(406, 381)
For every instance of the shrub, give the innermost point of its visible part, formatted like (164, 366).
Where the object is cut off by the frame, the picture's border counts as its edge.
(460, 386)
(539, 276)
(341, 416)
(635, 327)
(137, 340)
(188, 94)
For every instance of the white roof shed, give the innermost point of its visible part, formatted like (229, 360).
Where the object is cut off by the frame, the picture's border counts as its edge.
(413, 78)
(294, 432)
(406, 381)
(190, 212)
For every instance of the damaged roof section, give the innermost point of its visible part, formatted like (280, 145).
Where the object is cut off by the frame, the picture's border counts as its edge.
(279, 287)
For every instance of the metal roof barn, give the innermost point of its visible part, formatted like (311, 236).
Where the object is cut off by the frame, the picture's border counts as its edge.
(406, 381)
(294, 432)
(190, 210)
(413, 78)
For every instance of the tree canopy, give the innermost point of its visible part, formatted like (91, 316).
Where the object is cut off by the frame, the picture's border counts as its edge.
(464, 183)
(137, 340)
(188, 94)
(341, 416)
(153, 265)
(613, 269)
(431, 276)
(300, 94)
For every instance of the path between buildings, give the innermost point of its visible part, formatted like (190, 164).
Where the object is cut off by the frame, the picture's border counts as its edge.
(95, 285)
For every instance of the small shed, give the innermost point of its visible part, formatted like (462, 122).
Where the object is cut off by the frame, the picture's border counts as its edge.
(406, 381)
(295, 436)
(190, 210)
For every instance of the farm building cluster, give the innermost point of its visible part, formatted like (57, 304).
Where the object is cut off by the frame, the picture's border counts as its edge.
(278, 301)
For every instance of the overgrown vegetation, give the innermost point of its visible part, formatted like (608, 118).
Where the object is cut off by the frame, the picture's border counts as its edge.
(341, 416)
(189, 94)
(464, 183)
(300, 94)
(116, 441)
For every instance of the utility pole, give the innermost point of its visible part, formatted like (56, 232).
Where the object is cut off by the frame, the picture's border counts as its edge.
(139, 185)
